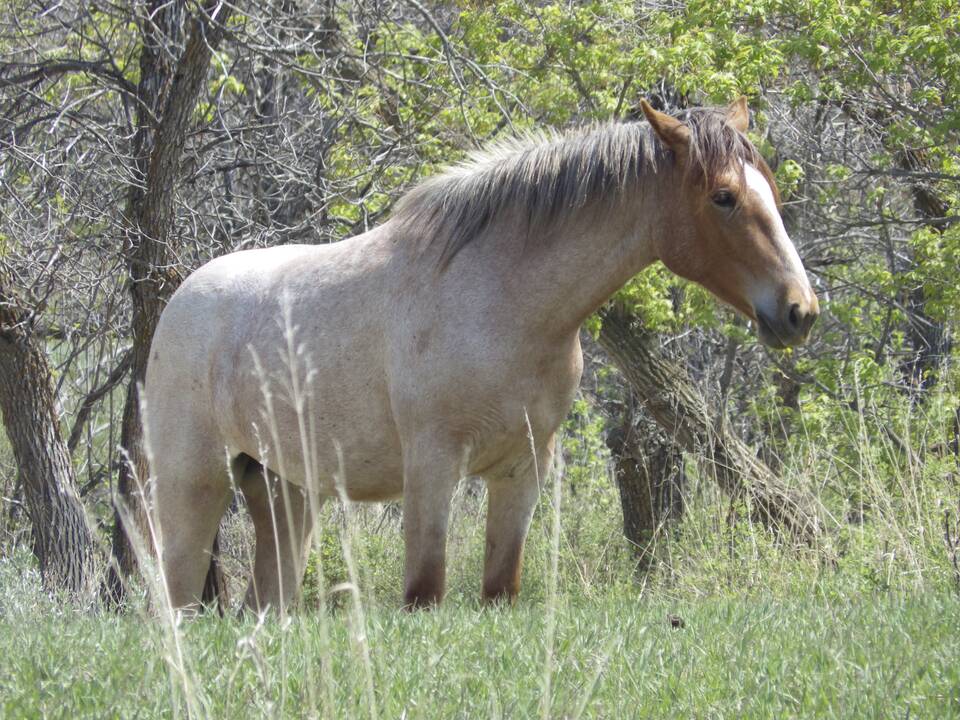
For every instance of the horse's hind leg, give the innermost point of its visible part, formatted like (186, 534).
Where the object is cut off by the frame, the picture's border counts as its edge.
(189, 501)
(283, 523)
(510, 504)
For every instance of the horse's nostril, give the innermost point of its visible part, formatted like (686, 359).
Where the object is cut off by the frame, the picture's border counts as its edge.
(794, 316)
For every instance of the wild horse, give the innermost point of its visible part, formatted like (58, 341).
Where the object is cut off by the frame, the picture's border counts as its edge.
(443, 342)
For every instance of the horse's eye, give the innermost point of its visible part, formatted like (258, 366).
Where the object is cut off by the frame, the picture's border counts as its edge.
(723, 198)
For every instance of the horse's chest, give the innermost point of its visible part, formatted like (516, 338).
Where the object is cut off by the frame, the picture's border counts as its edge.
(508, 401)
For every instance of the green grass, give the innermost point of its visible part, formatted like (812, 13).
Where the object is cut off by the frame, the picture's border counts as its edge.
(617, 656)
(866, 626)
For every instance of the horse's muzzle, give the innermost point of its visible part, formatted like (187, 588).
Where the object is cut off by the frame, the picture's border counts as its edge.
(790, 325)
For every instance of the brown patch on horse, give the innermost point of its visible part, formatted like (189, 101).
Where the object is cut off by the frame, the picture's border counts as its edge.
(423, 341)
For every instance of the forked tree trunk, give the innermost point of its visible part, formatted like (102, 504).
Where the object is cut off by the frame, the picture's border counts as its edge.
(168, 95)
(62, 541)
(665, 389)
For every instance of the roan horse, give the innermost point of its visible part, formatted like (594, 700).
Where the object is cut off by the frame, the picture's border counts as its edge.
(442, 343)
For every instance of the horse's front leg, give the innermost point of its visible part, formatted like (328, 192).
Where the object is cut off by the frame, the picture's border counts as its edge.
(511, 499)
(431, 473)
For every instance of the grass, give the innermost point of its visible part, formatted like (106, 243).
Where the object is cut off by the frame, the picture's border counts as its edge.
(765, 631)
(886, 655)
(731, 622)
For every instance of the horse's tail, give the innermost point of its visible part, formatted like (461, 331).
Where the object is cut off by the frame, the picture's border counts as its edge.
(215, 584)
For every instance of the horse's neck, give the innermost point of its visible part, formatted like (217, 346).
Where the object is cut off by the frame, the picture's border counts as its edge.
(570, 274)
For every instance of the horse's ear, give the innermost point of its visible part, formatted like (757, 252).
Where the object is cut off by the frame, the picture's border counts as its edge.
(738, 114)
(674, 134)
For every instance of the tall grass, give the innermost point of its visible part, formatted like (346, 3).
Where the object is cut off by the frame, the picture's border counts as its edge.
(731, 620)
(808, 655)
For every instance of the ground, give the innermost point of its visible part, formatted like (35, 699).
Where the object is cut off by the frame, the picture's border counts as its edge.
(729, 621)
(619, 654)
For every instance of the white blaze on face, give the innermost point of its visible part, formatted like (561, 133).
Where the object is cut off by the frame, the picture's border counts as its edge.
(758, 184)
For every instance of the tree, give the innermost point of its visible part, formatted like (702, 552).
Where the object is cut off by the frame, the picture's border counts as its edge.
(666, 392)
(62, 541)
(649, 472)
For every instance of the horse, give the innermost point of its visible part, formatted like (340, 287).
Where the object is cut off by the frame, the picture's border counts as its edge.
(443, 342)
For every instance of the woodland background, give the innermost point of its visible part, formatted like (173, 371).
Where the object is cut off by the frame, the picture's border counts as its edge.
(140, 139)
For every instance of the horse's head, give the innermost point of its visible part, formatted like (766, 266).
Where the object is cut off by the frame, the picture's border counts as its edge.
(725, 230)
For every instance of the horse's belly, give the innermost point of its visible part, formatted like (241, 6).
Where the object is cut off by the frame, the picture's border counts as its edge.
(355, 452)
(338, 436)
(365, 472)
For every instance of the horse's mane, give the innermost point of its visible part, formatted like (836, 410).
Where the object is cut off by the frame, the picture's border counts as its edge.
(549, 175)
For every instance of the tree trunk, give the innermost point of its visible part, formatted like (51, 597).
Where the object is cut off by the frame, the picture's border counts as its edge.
(62, 541)
(650, 478)
(928, 337)
(666, 391)
(168, 97)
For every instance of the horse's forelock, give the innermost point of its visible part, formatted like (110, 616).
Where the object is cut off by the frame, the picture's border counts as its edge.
(716, 146)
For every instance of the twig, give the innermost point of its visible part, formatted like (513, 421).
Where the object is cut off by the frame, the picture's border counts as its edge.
(951, 538)
(94, 396)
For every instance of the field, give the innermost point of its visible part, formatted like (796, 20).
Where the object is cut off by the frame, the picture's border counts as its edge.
(615, 655)
(722, 618)
(730, 622)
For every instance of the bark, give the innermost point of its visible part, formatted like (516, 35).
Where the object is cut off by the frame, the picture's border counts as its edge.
(650, 478)
(928, 336)
(168, 95)
(666, 391)
(62, 540)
